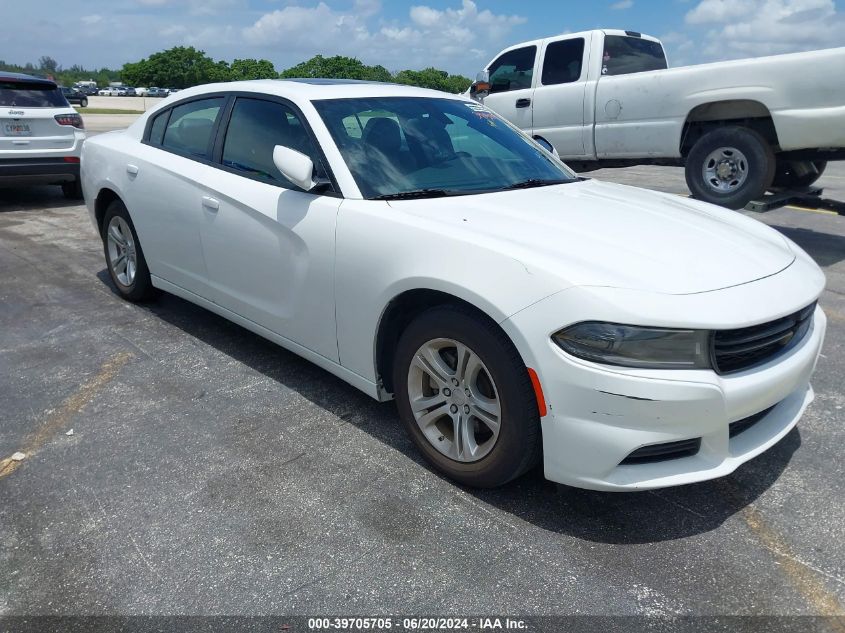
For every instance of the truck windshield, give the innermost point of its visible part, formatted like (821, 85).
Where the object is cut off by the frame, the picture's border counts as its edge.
(626, 55)
(404, 147)
(31, 94)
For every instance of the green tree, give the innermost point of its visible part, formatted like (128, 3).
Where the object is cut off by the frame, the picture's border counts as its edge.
(434, 79)
(48, 64)
(242, 69)
(178, 67)
(337, 67)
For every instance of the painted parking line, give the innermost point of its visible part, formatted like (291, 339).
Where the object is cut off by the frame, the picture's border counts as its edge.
(69, 408)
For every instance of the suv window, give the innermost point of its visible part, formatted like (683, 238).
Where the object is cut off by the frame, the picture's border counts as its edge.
(254, 130)
(30, 94)
(190, 126)
(562, 62)
(513, 70)
(626, 55)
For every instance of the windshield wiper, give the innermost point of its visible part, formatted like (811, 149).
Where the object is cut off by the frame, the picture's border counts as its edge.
(534, 182)
(417, 193)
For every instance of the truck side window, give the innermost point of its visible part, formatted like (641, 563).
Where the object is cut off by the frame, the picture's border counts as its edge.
(513, 70)
(626, 55)
(562, 62)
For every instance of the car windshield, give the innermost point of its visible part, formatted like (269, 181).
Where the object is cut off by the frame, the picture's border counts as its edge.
(30, 94)
(425, 147)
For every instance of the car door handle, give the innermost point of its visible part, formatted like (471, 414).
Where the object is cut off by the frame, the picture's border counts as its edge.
(132, 170)
(212, 204)
(523, 103)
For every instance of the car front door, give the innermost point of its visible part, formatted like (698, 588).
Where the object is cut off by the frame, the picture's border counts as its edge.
(559, 96)
(512, 86)
(269, 247)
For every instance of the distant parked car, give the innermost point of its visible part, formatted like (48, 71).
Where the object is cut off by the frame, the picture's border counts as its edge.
(141, 92)
(86, 90)
(111, 91)
(73, 95)
(156, 92)
(127, 91)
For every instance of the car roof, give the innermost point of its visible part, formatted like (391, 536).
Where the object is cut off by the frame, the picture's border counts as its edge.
(308, 89)
(25, 78)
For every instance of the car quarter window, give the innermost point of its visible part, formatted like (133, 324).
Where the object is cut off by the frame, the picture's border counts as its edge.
(625, 55)
(255, 128)
(157, 127)
(513, 70)
(562, 62)
(190, 127)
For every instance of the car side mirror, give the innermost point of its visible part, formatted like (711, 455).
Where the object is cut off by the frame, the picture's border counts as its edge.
(480, 88)
(295, 166)
(546, 146)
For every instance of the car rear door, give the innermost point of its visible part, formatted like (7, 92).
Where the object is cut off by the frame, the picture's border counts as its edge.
(163, 190)
(28, 118)
(269, 247)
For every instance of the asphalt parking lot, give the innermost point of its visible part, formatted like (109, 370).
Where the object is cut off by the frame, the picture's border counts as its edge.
(210, 472)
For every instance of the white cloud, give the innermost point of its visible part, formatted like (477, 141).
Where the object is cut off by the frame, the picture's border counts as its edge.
(429, 36)
(622, 4)
(765, 27)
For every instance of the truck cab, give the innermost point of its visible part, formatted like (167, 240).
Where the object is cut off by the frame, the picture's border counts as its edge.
(550, 87)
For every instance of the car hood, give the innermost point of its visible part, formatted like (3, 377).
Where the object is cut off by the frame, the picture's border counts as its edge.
(603, 234)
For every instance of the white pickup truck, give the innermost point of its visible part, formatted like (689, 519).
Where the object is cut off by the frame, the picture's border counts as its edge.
(606, 98)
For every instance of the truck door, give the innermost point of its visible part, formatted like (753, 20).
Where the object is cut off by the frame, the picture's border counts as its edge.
(512, 85)
(559, 96)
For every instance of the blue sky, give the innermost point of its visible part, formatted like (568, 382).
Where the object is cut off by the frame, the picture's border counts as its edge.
(457, 35)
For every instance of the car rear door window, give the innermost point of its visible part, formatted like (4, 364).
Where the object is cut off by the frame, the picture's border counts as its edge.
(513, 70)
(31, 94)
(563, 61)
(191, 125)
(625, 55)
(255, 128)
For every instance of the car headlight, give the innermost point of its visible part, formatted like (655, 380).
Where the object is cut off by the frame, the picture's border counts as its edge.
(632, 346)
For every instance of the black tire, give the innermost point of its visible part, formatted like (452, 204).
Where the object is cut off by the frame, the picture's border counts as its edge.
(518, 446)
(759, 164)
(72, 190)
(83, 103)
(796, 174)
(141, 287)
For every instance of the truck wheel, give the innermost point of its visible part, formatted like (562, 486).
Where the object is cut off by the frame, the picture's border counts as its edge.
(730, 166)
(803, 173)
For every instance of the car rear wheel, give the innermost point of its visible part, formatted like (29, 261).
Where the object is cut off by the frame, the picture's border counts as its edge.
(730, 166)
(83, 102)
(124, 256)
(466, 398)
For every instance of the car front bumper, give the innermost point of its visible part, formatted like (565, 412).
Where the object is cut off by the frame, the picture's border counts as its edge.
(598, 415)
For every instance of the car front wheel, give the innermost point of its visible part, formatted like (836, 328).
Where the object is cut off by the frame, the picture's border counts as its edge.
(466, 398)
(124, 256)
(83, 102)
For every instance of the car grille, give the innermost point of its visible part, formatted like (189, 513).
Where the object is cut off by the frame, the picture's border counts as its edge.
(735, 428)
(662, 452)
(735, 350)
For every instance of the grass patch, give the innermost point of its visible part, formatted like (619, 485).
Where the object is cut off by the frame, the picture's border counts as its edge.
(106, 111)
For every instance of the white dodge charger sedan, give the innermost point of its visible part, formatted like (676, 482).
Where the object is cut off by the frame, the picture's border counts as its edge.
(421, 248)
